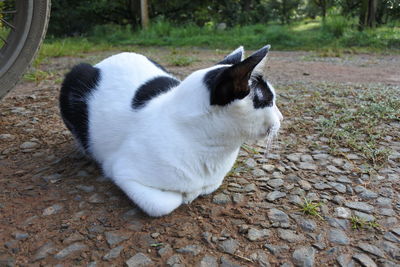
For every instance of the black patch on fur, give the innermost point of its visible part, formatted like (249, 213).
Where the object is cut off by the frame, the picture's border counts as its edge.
(220, 84)
(232, 59)
(158, 65)
(153, 88)
(263, 96)
(77, 85)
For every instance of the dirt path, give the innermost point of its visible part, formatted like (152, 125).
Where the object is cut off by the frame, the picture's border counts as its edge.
(56, 209)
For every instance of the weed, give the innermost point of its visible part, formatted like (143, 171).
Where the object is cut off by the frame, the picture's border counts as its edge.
(359, 223)
(180, 61)
(310, 208)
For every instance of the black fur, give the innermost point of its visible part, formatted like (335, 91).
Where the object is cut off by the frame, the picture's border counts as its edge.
(263, 96)
(220, 84)
(77, 85)
(232, 59)
(153, 88)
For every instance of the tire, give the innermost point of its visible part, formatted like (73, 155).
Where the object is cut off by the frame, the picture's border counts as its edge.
(30, 21)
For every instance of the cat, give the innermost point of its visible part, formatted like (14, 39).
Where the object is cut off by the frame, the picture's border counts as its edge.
(163, 141)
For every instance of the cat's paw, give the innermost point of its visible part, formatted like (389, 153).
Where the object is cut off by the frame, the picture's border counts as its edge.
(152, 201)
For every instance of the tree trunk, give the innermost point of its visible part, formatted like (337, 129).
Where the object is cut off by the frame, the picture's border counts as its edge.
(368, 14)
(144, 14)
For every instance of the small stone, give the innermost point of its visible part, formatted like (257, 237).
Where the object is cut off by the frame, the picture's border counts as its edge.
(250, 188)
(338, 237)
(364, 260)
(237, 198)
(208, 261)
(342, 212)
(344, 180)
(221, 199)
(308, 166)
(304, 185)
(295, 199)
(28, 145)
(322, 186)
(76, 247)
(251, 163)
(333, 169)
(113, 253)
(194, 250)
(277, 216)
(96, 199)
(174, 260)
(85, 188)
(275, 195)
(261, 258)
(290, 236)
(20, 235)
(257, 235)
(139, 260)
(258, 173)
(366, 217)
(338, 187)
(306, 158)
(7, 137)
(344, 260)
(307, 225)
(304, 257)
(361, 206)
(386, 212)
(371, 249)
(225, 262)
(164, 250)
(391, 237)
(368, 194)
(383, 202)
(44, 251)
(339, 200)
(73, 238)
(275, 182)
(295, 157)
(116, 237)
(277, 250)
(268, 167)
(56, 208)
(229, 246)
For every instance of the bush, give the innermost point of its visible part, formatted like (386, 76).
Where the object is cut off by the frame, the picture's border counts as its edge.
(336, 25)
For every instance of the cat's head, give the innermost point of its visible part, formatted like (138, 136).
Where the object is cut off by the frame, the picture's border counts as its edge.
(241, 102)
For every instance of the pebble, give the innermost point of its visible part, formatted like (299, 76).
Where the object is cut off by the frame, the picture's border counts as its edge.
(258, 173)
(307, 225)
(333, 169)
(368, 194)
(257, 235)
(221, 199)
(307, 166)
(371, 249)
(295, 157)
(96, 199)
(251, 163)
(85, 188)
(361, 206)
(338, 237)
(290, 236)
(73, 238)
(383, 202)
(116, 237)
(229, 246)
(174, 260)
(225, 262)
(338, 187)
(275, 182)
(340, 200)
(268, 167)
(76, 247)
(7, 137)
(139, 260)
(29, 145)
(305, 185)
(364, 260)
(342, 212)
(208, 261)
(113, 253)
(44, 251)
(193, 250)
(344, 260)
(275, 195)
(20, 235)
(56, 208)
(277, 216)
(304, 256)
(366, 217)
(277, 249)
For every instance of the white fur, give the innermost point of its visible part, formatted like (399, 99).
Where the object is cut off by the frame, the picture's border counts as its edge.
(177, 146)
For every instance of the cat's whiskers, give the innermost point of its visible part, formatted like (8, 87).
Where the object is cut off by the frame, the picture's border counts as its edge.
(270, 140)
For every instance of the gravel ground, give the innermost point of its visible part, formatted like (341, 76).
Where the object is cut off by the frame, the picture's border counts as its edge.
(327, 194)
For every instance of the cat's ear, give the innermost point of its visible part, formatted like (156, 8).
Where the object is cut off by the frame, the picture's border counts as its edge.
(235, 57)
(230, 83)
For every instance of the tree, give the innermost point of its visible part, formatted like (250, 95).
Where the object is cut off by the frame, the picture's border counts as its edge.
(284, 9)
(368, 14)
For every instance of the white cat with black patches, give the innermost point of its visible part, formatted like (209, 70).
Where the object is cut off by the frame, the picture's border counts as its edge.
(165, 142)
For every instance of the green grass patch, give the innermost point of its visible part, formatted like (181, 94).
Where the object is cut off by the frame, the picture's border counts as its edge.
(311, 208)
(336, 34)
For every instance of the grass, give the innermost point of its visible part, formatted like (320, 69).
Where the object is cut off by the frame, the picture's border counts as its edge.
(358, 223)
(311, 208)
(336, 34)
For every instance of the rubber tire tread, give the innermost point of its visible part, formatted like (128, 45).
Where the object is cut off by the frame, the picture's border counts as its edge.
(36, 34)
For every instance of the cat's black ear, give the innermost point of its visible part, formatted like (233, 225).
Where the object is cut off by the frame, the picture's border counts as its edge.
(227, 84)
(235, 57)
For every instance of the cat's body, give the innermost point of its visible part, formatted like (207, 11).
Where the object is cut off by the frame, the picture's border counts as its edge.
(164, 142)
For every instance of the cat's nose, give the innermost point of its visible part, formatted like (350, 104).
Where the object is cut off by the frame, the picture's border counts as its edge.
(280, 116)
